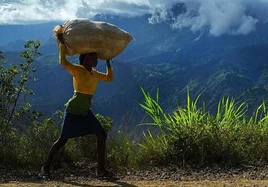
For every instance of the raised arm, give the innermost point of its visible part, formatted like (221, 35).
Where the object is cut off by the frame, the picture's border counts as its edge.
(62, 57)
(110, 76)
(108, 63)
(109, 73)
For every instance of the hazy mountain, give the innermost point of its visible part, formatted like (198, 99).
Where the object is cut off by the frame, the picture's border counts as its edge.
(10, 33)
(159, 57)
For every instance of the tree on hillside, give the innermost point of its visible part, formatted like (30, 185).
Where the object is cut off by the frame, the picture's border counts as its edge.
(13, 80)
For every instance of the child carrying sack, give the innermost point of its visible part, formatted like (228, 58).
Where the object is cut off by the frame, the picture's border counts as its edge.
(86, 36)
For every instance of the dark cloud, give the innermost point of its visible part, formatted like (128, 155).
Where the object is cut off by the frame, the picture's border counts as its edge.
(232, 17)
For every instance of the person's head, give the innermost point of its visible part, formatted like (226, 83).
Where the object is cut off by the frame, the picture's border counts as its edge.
(88, 60)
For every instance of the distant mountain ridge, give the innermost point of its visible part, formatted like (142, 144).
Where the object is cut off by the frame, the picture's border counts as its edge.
(160, 57)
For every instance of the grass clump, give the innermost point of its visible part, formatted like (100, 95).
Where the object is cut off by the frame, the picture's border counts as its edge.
(191, 135)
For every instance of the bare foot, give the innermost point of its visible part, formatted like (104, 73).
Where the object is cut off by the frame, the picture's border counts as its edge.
(44, 173)
(105, 173)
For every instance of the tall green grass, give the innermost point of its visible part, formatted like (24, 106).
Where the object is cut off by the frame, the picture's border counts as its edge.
(192, 135)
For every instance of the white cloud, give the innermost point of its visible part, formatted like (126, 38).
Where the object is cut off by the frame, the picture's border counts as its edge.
(32, 11)
(233, 17)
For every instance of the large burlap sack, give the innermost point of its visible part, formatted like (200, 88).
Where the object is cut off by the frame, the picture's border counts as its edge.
(85, 36)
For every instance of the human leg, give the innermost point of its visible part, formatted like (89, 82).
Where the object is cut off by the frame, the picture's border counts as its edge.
(101, 150)
(52, 153)
(101, 146)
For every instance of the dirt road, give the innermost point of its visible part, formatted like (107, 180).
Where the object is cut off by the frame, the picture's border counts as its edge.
(248, 176)
(205, 183)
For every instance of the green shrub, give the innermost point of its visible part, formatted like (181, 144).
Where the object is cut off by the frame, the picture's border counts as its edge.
(191, 135)
(32, 146)
(122, 150)
(154, 150)
(13, 85)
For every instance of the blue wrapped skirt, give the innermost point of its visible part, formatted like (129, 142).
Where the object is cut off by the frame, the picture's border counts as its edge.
(78, 125)
(78, 118)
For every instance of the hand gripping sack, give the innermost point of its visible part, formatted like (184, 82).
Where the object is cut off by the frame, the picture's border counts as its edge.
(85, 36)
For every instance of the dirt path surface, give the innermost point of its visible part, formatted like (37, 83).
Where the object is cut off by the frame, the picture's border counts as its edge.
(205, 183)
(247, 176)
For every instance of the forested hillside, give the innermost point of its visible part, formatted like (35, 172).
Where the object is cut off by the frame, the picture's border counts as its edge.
(168, 59)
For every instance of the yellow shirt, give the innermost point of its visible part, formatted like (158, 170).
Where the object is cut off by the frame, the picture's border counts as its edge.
(86, 82)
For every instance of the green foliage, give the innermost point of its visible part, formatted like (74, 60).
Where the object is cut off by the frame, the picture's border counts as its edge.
(153, 109)
(31, 147)
(193, 136)
(154, 149)
(13, 79)
(122, 150)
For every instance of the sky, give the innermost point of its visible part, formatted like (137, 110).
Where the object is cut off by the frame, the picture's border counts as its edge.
(219, 17)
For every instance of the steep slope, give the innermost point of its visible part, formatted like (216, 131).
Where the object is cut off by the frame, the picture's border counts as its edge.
(172, 60)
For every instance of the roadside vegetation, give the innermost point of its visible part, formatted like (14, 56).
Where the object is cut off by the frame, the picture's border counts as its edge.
(190, 135)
